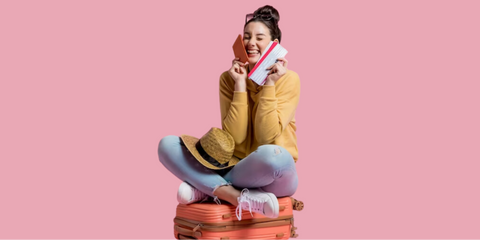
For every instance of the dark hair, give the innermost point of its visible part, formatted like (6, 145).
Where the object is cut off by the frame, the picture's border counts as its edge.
(272, 23)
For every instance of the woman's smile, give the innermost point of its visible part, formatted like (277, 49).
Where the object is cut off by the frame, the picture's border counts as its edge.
(253, 53)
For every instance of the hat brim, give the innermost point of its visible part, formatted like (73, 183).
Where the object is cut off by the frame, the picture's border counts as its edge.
(190, 143)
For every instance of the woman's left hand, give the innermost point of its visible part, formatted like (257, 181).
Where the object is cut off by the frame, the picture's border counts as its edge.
(277, 70)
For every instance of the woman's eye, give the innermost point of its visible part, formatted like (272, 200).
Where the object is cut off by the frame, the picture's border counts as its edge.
(260, 39)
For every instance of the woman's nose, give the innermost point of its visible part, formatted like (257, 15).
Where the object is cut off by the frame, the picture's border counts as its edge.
(251, 43)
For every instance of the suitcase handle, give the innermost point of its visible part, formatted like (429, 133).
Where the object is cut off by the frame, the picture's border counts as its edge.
(182, 237)
(187, 232)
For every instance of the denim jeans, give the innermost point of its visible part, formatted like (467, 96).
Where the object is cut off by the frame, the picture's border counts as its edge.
(270, 168)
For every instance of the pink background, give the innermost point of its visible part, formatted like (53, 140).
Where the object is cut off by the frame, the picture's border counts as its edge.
(388, 121)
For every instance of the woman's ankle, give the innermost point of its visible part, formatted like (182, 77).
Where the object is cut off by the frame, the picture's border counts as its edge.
(227, 193)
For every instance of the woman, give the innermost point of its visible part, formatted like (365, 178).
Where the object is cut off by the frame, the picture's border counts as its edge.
(261, 121)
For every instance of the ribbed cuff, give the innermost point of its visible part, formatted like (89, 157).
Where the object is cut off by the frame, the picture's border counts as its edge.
(239, 97)
(268, 91)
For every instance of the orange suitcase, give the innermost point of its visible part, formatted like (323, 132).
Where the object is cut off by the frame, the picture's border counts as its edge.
(211, 221)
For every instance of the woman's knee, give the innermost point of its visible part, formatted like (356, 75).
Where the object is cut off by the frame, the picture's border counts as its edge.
(271, 151)
(166, 144)
(274, 155)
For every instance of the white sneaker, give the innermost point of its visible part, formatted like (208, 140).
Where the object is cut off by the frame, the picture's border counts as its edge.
(187, 194)
(257, 201)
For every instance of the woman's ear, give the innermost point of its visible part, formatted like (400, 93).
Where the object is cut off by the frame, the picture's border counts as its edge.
(276, 40)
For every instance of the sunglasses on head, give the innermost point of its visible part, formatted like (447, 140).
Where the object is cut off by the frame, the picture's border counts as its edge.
(250, 16)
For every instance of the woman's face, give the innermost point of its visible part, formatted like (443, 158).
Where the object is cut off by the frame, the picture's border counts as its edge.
(256, 38)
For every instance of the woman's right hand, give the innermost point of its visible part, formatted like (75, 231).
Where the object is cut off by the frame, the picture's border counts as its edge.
(238, 72)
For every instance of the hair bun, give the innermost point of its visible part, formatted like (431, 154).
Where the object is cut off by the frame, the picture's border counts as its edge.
(269, 10)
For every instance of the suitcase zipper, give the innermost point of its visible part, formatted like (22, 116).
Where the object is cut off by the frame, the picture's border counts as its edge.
(228, 226)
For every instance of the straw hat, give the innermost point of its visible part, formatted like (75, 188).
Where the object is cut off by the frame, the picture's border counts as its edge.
(214, 150)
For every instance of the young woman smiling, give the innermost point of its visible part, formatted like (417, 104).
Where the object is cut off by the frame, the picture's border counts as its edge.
(261, 120)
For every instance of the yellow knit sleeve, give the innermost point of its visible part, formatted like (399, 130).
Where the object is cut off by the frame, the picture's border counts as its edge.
(276, 108)
(233, 108)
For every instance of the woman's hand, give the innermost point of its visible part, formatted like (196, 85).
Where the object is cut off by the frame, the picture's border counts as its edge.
(277, 70)
(238, 72)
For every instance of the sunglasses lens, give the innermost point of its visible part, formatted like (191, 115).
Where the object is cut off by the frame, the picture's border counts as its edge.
(262, 16)
(249, 16)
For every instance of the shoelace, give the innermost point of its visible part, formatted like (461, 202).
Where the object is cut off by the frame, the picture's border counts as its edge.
(244, 199)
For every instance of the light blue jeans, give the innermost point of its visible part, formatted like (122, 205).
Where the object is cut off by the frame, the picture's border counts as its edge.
(270, 168)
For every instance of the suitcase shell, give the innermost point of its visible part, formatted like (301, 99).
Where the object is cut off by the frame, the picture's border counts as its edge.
(212, 221)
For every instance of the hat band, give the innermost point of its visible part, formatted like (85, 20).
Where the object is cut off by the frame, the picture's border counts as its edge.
(209, 158)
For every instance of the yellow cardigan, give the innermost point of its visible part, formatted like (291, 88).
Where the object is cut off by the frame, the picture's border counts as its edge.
(262, 114)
